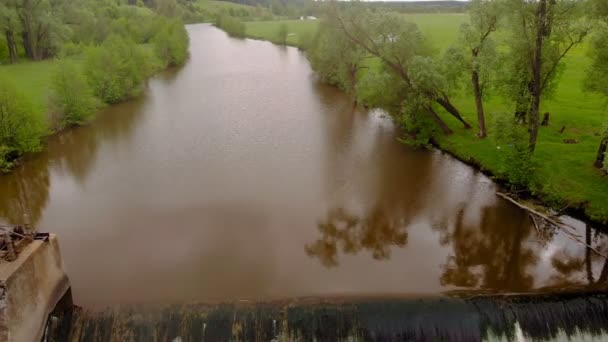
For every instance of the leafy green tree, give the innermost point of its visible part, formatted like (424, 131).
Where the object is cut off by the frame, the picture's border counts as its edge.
(117, 69)
(21, 128)
(43, 29)
(171, 43)
(9, 26)
(597, 81)
(72, 101)
(516, 163)
(542, 32)
(396, 42)
(336, 58)
(168, 8)
(382, 88)
(479, 55)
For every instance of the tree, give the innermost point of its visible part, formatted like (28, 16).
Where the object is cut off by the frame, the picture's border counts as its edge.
(71, 98)
(171, 43)
(396, 42)
(597, 75)
(21, 128)
(36, 21)
(480, 56)
(117, 69)
(9, 25)
(336, 58)
(542, 34)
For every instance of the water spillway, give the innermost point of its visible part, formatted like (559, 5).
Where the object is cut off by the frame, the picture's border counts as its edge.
(557, 317)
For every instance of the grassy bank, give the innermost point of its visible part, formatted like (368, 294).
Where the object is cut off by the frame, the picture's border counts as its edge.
(564, 171)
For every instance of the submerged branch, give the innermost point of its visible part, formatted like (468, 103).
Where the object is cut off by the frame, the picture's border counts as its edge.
(566, 228)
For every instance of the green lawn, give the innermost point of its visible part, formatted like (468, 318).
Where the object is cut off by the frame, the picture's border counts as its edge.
(213, 5)
(565, 170)
(268, 30)
(211, 8)
(32, 79)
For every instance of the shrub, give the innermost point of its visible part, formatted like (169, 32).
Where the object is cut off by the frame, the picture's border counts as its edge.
(171, 43)
(516, 163)
(6, 163)
(72, 100)
(231, 25)
(420, 129)
(21, 128)
(72, 49)
(117, 69)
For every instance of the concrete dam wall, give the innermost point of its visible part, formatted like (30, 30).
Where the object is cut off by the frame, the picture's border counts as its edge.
(563, 317)
(35, 305)
(30, 288)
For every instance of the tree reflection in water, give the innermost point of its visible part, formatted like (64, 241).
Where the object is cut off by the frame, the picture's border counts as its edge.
(585, 266)
(492, 255)
(375, 233)
(24, 192)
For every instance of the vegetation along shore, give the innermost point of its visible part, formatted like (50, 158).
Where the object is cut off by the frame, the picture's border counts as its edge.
(516, 88)
(519, 97)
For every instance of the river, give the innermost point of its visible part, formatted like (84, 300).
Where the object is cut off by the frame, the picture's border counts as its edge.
(241, 176)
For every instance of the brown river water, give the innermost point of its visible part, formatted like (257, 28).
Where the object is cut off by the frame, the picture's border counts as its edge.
(241, 176)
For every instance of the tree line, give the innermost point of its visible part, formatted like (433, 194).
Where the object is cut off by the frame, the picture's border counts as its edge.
(105, 51)
(511, 48)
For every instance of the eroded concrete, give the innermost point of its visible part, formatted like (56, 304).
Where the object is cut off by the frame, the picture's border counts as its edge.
(30, 287)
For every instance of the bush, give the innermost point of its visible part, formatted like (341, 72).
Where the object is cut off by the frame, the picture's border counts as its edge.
(72, 49)
(171, 43)
(72, 101)
(516, 163)
(231, 25)
(6, 162)
(21, 128)
(117, 69)
(420, 129)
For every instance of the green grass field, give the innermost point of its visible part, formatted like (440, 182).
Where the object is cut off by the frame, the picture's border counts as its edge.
(268, 30)
(212, 8)
(32, 79)
(565, 170)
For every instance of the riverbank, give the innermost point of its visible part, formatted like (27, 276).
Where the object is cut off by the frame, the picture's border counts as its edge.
(564, 171)
(43, 98)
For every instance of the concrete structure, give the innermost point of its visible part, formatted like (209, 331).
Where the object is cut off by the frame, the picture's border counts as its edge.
(30, 287)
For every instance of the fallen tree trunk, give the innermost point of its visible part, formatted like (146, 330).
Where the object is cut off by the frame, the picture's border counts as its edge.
(563, 226)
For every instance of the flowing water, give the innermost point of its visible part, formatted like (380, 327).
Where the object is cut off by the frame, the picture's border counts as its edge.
(241, 176)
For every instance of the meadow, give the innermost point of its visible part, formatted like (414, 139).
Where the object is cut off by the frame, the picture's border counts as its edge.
(564, 171)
